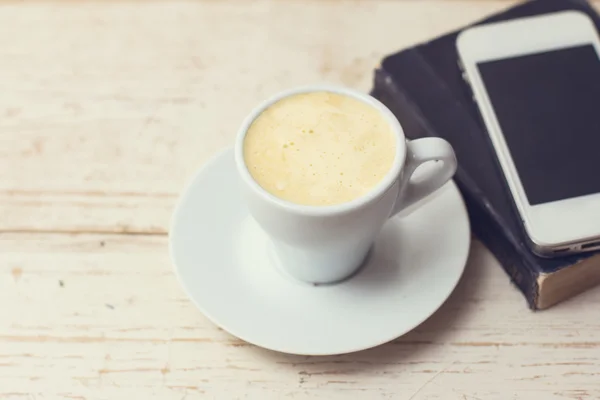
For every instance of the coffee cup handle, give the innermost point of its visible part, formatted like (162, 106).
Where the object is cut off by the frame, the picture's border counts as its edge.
(419, 152)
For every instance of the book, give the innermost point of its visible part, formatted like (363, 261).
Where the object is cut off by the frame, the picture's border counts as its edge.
(423, 87)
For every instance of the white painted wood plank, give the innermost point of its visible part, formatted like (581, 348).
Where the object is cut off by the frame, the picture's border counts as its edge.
(102, 316)
(108, 108)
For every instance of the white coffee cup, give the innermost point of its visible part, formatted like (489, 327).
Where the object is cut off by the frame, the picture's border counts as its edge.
(326, 244)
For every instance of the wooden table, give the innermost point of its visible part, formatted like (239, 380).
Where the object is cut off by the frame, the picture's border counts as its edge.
(108, 109)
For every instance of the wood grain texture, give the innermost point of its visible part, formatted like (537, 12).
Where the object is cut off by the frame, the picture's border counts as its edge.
(108, 108)
(103, 317)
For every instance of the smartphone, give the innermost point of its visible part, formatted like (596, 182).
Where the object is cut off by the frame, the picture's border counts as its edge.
(536, 82)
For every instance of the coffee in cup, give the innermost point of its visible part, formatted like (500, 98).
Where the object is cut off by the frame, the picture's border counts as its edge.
(319, 148)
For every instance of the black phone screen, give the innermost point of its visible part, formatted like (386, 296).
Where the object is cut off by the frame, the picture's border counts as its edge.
(548, 107)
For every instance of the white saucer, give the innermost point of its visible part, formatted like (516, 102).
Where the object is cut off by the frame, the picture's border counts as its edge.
(223, 261)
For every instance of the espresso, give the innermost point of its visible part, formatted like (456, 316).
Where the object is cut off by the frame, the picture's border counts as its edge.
(319, 148)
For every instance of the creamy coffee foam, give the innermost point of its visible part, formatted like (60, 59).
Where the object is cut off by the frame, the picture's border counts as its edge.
(319, 148)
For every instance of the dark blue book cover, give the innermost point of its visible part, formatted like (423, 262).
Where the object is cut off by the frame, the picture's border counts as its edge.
(423, 86)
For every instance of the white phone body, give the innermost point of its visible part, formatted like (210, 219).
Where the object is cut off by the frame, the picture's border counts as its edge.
(556, 227)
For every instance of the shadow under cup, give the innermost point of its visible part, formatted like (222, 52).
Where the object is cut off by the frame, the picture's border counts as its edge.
(327, 244)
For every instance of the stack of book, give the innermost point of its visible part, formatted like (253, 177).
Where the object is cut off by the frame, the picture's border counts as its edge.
(423, 86)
